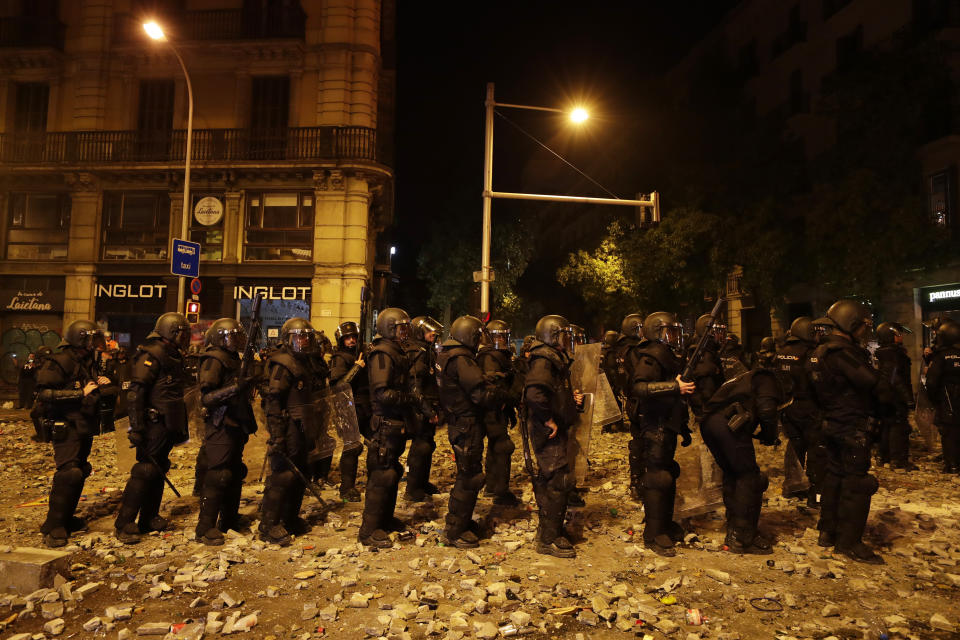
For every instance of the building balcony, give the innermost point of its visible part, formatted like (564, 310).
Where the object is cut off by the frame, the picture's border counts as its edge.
(32, 32)
(216, 24)
(210, 146)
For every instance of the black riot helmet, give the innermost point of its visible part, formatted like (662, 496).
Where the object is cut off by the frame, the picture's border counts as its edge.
(393, 324)
(345, 330)
(527, 343)
(227, 334)
(632, 325)
(768, 345)
(662, 326)
(299, 336)
(45, 351)
(718, 332)
(422, 325)
(83, 334)
(610, 337)
(822, 327)
(579, 335)
(888, 332)
(851, 317)
(802, 329)
(555, 331)
(500, 334)
(172, 327)
(948, 334)
(468, 331)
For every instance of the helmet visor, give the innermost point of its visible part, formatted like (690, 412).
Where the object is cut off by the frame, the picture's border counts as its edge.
(565, 340)
(402, 331)
(234, 339)
(719, 333)
(302, 341)
(672, 335)
(183, 337)
(501, 339)
(95, 341)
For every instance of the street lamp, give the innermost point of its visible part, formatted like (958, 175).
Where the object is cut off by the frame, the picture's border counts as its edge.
(578, 116)
(155, 31)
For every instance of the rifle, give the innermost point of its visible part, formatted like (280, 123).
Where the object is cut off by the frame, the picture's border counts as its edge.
(253, 339)
(697, 355)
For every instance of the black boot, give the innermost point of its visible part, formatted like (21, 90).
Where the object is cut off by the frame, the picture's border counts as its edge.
(293, 502)
(216, 483)
(374, 502)
(64, 496)
(349, 462)
(655, 535)
(134, 493)
(459, 516)
(829, 506)
(744, 517)
(418, 470)
(497, 465)
(200, 471)
(271, 511)
(674, 529)
(230, 517)
(855, 498)
(320, 469)
(150, 519)
(552, 501)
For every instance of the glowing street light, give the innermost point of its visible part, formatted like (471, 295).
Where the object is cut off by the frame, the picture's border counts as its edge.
(579, 115)
(155, 32)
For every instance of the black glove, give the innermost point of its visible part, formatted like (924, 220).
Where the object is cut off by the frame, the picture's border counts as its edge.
(768, 437)
(136, 438)
(685, 439)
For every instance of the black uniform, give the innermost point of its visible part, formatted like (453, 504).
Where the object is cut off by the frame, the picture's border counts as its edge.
(119, 372)
(894, 365)
(731, 417)
(158, 422)
(320, 456)
(548, 394)
(615, 365)
(848, 390)
(423, 361)
(801, 420)
(731, 358)
(229, 421)
(708, 375)
(943, 386)
(497, 367)
(465, 396)
(341, 363)
(293, 424)
(392, 403)
(69, 420)
(660, 415)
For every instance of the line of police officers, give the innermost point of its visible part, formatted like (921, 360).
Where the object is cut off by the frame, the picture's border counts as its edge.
(821, 386)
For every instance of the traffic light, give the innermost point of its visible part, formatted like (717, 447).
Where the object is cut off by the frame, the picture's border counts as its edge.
(193, 312)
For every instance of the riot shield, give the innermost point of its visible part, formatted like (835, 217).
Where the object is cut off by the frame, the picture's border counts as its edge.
(606, 410)
(700, 485)
(337, 413)
(584, 374)
(126, 455)
(191, 398)
(923, 416)
(795, 481)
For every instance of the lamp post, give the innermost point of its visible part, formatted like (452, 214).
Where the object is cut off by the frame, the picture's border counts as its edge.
(156, 33)
(578, 116)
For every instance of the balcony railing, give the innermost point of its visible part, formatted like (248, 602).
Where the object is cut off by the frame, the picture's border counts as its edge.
(217, 24)
(209, 145)
(31, 31)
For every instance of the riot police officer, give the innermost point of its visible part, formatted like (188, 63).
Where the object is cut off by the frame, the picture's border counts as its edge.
(322, 445)
(494, 359)
(731, 418)
(709, 373)
(118, 369)
(158, 422)
(895, 367)
(70, 390)
(229, 422)
(422, 354)
(293, 425)
(631, 334)
(465, 394)
(764, 357)
(347, 365)
(659, 416)
(551, 406)
(393, 400)
(943, 387)
(607, 362)
(731, 357)
(801, 419)
(848, 389)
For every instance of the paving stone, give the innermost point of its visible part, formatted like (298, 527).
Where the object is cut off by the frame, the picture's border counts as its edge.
(26, 569)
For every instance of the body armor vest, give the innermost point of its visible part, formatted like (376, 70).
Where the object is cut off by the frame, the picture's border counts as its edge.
(303, 386)
(238, 409)
(454, 399)
(618, 353)
(946, 395)
(399, 379)
(791, 367)
(837, 397)
(556, 379)
(75, 373)
(166, 393)
(343, 360)
(739, 390)
(670, 411)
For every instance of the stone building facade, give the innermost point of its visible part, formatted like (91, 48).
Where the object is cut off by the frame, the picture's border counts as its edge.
(291, 183)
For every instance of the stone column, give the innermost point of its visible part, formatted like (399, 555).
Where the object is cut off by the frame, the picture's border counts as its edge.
(232, 227)
(228, 306)
(83, 248)
(339, 248)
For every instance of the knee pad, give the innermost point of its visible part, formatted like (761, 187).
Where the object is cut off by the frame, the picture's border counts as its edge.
(71, 474)
(504, 446)
(86, 469)
(758, 481)
(419, 448)
(145, 471)
(673, 469)
(384, 477)
(282, 479)
(864, 485)
(219, 478)
(559, 480)
(475, 482)
(241, 471)
(660, 479)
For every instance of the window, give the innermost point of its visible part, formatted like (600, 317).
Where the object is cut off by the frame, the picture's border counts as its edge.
(210, 236)
(136, 226)
(154, 118)
(31, 108)
(941, 196)
(279, 226)
(39, 226)
(849, 47)
(269, 117)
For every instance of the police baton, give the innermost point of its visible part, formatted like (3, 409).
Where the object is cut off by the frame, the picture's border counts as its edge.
(162, 473)
(309, 485)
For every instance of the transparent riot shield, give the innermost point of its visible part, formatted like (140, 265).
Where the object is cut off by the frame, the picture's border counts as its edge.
(794, 479)
(606, 410)
(700, 485)
(584, 374)
(338, 414)
(126, 455)
(923, 416)
(191, 398)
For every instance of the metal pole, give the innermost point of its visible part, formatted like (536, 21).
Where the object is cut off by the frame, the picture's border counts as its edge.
(487, 199)
(185, 214)
(651, 202)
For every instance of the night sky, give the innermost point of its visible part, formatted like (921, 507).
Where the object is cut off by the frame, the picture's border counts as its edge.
(601, 54)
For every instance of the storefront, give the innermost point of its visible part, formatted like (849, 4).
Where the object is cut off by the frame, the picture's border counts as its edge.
(282, 299)
(128, 307)
(32, 316)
